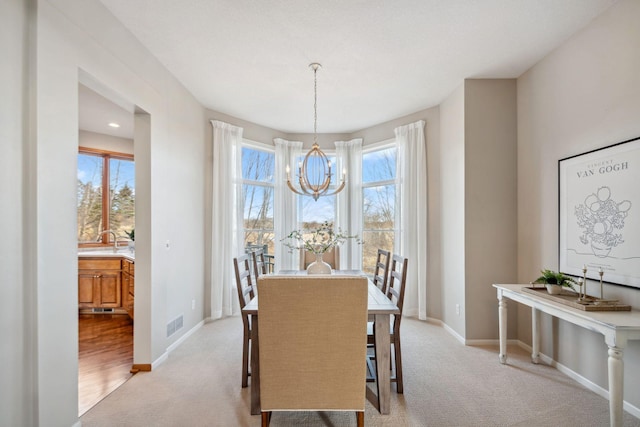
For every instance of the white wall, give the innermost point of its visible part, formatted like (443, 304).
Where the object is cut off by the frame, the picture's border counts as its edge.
(39, 268)
(490, 199)
(452, 182)
(17, 295)
(583, 96)
(101, 141)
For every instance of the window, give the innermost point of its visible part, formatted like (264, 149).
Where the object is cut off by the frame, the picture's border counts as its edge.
(312, 213)
(258, 164)
(106, 196)
(379, 182)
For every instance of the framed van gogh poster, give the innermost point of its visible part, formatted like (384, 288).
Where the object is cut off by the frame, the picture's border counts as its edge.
(599, 205)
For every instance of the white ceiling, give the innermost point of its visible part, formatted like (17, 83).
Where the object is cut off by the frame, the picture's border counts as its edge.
(95, 112)
(381, 59)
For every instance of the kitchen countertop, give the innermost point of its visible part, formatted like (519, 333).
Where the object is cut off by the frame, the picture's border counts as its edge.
(107, 253)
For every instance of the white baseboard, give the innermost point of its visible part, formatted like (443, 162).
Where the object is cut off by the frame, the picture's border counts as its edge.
(185, 336)
(160, 360)
(454, 333)
(633, 410)
(164, 356)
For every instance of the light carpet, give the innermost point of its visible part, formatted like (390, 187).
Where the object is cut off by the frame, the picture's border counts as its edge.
(445, 384)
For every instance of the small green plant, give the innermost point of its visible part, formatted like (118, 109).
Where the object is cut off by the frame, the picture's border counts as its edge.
(318, 240)
(550, 277)
(131, 234)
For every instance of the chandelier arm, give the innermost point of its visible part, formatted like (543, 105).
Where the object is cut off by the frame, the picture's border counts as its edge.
(336, 191)
(292, 188)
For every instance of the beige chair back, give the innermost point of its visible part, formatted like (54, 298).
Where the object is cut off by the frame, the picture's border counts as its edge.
(331, 257)
(313, 337)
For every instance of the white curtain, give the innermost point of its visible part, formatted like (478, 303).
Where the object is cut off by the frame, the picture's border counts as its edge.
(285, 210)
(412, 240)
(226, 226)
(349, 201)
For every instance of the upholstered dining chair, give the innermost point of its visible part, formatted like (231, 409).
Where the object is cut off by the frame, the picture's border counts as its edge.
(304, 363)
(246, 291)
(331, 257)
(395, 292)
(381, 273)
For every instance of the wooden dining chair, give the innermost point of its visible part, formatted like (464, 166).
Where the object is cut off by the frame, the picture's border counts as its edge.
(331, 257)
(259, 264)
(381, 273)
(246, 291)
(395, 292)
(304, 364)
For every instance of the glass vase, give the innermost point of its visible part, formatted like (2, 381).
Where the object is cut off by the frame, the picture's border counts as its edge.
(319, 266)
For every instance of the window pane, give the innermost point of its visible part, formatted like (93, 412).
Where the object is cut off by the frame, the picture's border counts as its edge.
(372, 241)
(379, 165)
(89, 197)
(258, 216)
(312, 213)
(379, 207)
(259, 239)
(122, 196)
(257, 165)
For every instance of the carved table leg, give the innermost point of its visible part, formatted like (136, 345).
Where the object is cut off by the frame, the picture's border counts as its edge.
(616, 371)
(535, 336)
(502, 317)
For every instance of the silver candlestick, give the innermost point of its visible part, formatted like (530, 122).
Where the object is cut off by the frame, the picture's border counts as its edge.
(580, 284)
(601, 273)
(584, 281)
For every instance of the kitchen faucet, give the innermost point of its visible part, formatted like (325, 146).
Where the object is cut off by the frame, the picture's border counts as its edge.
(115, 239)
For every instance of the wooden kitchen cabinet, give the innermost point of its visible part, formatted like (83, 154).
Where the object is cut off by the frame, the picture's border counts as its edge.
(128, 285)
(99, 283)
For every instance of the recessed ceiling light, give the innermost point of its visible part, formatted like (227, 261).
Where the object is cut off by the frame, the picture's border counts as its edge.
(114, 125)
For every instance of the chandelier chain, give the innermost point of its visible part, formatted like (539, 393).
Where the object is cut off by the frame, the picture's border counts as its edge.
(315, 178)
(315, 105)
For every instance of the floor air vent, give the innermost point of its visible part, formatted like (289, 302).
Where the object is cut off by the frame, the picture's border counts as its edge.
(102, 310)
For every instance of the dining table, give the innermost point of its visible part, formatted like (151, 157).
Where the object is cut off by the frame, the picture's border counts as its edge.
(379, 309)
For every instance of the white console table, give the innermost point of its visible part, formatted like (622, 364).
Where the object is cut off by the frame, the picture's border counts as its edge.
(618, 327)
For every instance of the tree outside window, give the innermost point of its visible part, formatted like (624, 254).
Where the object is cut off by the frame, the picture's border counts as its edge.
(379, 203)
(258, 165)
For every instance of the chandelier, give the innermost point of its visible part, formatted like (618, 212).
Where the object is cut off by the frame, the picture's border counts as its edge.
(314, 172)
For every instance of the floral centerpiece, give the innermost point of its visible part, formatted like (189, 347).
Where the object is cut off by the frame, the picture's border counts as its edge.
(318, 241)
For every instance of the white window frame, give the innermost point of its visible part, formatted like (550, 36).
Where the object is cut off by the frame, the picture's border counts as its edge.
(397, 227)
(247, 143)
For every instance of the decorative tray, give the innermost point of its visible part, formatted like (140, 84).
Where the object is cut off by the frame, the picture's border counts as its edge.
(571, 299)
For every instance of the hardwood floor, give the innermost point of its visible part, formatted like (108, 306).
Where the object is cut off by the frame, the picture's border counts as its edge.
(105, 356)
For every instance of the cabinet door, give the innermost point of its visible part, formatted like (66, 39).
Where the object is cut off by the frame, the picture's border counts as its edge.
(130, 298)
(125, 289)
(86, 295)
(110, 289)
